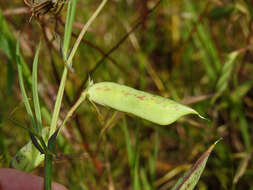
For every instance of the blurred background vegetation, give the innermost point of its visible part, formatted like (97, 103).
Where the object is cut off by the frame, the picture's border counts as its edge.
(196, 52)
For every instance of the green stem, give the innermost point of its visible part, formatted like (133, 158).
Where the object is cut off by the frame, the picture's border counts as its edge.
(73, 108)
(84, 30)
(48, 171)
(65, 72)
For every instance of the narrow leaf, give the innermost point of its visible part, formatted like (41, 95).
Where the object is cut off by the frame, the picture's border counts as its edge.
(52, 142)
(238, 94)
(225, 75)
(36, 144)
(242, 167)
(130, 152)
(22, 86)
(226, 72)
(7, 43)
(35, 91)
(191, 178)
(60, 93)
(144, 180)
(29, 130)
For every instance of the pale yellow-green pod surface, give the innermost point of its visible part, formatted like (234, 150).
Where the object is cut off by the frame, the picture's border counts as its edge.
(156, 109)
(28, 157)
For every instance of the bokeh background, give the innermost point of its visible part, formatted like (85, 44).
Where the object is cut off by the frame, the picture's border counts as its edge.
(196, 52)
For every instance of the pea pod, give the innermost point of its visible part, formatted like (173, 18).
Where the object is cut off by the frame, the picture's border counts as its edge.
(156, 109)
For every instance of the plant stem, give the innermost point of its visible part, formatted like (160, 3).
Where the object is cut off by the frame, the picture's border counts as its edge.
(48, 171)
(65, 72)
(84, 30)
(73, 108)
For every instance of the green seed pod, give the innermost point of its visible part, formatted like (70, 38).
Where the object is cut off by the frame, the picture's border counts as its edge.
(28, 157)
(153, 108)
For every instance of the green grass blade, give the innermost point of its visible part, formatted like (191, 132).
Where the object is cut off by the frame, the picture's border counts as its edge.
(144, 180)
(136, 178)
(191, 178)
(7, 42)
(58, 102)
(10, 77)
(128, 142)
(136, 163)
(226, 73)
(242, 168)
(29, 130)
(22, 87)
(73, 108)
(238, 114)
(238, 94)
(35, 90)
(65, 72)
(153, 159)
(84, 30)
(206, 43)
(133, 156)
(68, 26)
(67, 36)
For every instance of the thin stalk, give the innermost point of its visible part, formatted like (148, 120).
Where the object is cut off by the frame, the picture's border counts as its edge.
(67, 36)
(73, 108)
(65, 72)
(84, 30)
(53, 126)
(48, 171)
(58, 102)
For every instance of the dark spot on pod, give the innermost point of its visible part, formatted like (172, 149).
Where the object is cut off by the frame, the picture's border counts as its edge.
(141, 97)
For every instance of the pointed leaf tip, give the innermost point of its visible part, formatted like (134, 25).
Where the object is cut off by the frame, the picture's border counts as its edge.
(191, 178)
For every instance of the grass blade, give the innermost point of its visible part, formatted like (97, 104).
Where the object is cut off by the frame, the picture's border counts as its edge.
(65, 72)
(170, 174)
(128, 142)
(144, 180)
(242, 167)
(204, 41)
(153, 159)
(68, 26)
(191, 178)
(22, 87)
(226, 72)
(84, 30)
(35, 91)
